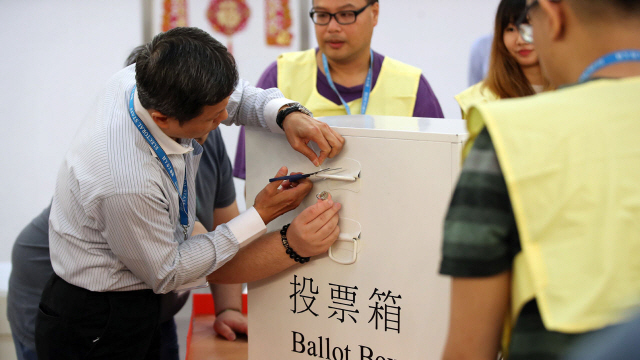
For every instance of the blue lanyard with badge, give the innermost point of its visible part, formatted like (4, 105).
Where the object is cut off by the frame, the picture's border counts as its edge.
(184, 198)
(616, 57)
(366, 91)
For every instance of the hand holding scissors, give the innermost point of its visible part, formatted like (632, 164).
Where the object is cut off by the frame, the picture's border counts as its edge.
(293, 178)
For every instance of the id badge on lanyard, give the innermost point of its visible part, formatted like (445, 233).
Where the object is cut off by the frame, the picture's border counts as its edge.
(366, 90)
(168, 166)
(166, 163)
(616, 57)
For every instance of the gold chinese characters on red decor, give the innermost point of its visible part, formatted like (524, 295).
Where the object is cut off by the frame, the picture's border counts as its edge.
(278, 22)
(228, 16)
(175, 14)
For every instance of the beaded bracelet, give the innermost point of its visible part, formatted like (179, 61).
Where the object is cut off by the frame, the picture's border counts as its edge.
(292, 254)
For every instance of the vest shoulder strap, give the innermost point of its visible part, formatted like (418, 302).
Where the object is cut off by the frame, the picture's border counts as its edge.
(476, 94)
(297, 73)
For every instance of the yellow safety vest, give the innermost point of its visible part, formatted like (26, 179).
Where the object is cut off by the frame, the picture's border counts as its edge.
(394, 93)
(571, 162)
(475, 95)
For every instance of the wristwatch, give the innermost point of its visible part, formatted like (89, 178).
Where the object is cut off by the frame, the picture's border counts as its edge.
(293, 107)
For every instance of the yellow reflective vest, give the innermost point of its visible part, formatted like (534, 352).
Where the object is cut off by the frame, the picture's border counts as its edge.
(571, 162)
(393, 94)
(475, 95)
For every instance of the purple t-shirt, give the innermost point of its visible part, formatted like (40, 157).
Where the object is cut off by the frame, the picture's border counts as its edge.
(427, 104)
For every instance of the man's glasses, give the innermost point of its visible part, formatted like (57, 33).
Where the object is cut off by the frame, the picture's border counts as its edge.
(345, 17)
(525, 29)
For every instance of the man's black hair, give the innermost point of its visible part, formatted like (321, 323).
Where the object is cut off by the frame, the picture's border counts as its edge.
(369, 2)
(182, 70)
(632, 6)
(608, 9)
(131, 59)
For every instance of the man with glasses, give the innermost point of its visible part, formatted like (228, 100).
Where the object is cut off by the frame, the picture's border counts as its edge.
(343, 75)
(543, 225)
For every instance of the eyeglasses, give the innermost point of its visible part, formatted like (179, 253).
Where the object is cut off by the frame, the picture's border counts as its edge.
(525, 29)
(345, 17)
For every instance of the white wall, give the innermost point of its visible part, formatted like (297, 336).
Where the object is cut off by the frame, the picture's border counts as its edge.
(58, 53)
(436, 36)
(55, 56)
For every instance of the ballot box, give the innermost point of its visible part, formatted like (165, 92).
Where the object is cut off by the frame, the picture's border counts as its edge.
(377, 293)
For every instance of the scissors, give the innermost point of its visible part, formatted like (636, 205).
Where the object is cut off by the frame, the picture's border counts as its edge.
(301, 176)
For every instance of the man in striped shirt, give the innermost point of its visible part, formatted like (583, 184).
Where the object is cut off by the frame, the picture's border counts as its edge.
(122, 225)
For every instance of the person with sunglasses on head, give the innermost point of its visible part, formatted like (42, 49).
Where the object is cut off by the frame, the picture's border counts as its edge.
(514, 69)
(545, 228)
(344, 75)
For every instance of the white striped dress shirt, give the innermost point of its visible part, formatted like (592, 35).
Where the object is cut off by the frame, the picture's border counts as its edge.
(115, 223)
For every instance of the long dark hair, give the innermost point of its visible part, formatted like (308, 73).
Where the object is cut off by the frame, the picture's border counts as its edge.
(505, 77)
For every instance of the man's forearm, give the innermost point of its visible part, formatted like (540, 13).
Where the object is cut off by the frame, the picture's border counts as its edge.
(226, 297)
(262, 258)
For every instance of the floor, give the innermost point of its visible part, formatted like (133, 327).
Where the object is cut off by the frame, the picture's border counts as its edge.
(183, 318)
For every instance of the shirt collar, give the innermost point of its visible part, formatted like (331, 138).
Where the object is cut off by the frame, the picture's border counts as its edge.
(170, 146)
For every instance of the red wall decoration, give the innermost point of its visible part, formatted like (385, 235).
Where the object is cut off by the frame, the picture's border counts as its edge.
(228, 17)
(175, 14)
(278, 21)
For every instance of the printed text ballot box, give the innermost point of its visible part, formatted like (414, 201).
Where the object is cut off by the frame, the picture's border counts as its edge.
(389, 301)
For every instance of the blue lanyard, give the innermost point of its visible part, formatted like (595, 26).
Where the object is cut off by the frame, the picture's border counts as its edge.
(366, 92)
(184, 198)
(608, 60)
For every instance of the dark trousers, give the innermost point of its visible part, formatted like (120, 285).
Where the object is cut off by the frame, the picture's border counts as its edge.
(75, 323)
(169, 348)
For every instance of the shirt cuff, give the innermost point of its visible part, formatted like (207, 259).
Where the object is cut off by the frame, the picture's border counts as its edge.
(271, 112)
(247, 226)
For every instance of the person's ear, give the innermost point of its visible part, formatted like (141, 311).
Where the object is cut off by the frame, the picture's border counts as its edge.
(375, 9)
(555, 17)
(160, 119)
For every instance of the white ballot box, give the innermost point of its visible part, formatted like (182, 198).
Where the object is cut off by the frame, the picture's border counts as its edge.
(378, 295)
